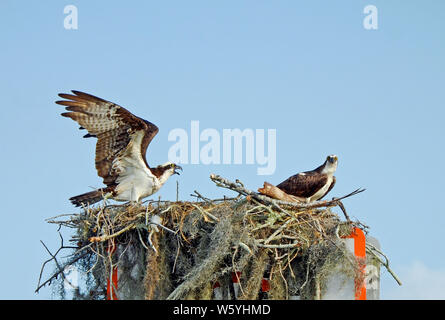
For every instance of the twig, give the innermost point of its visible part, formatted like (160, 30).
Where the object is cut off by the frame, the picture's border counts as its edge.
(140, 239)
(177, 190)
(177, 254)
(150, 235)
(272, 236)
(199, 196)
(376, 252)
(53, 257)
(342, 207)
(205, 213)
(282, 276)
(107, 237)
(278, 246)
(245, 247)
(163, 227)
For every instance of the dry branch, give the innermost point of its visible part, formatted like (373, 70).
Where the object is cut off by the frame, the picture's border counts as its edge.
(271, 191)
(378, 255)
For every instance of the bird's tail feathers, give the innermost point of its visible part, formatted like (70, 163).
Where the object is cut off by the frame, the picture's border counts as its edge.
(90, 198)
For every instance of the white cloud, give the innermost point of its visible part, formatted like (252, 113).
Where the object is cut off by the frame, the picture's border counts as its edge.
(419, 282)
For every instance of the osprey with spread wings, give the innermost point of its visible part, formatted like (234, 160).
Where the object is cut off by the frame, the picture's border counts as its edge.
(122, 141)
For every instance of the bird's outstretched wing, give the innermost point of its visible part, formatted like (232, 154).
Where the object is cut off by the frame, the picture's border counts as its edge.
(117, 130)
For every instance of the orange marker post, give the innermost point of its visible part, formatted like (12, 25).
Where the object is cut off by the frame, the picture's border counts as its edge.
(235, 282)
(112, 285)
(360, 253)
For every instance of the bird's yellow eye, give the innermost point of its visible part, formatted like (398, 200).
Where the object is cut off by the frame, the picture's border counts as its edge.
(172, 165)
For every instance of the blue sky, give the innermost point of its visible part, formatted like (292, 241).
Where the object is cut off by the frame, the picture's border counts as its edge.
(308, 69)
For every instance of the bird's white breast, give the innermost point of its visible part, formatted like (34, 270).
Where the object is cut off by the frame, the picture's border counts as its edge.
(135, 180)
(323, 190)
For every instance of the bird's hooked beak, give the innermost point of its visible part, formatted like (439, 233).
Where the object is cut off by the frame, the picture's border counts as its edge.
(177, 168)
(332, 159)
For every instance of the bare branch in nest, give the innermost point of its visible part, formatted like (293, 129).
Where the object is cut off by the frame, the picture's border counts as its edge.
(273, 192)
(205, 213)
(164, 227)
(150, 236)
(245, 247)
(107, 237)
(283, 226)
(378, 255)
(199, 196)
(279, 246)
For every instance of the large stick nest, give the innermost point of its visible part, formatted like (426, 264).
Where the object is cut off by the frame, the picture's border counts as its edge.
(179, 250)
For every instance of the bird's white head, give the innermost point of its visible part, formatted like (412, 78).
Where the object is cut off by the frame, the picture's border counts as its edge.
(166, 170)
(330, 164)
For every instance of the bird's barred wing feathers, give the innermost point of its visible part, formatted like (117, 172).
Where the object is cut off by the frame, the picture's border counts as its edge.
(113, 125)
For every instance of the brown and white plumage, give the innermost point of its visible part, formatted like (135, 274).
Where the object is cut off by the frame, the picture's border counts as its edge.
(122, 141)
(312, 185)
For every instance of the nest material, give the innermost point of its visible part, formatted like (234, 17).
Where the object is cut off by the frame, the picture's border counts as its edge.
(204, 242)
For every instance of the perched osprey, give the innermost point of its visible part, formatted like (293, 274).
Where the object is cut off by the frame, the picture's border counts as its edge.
(312, 185)
(122, 141)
